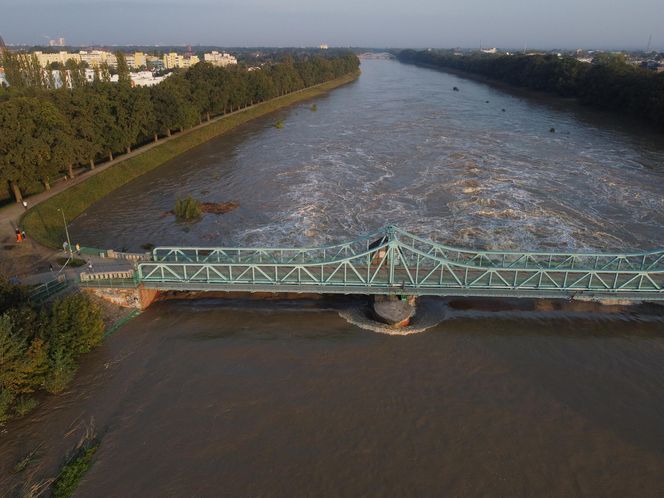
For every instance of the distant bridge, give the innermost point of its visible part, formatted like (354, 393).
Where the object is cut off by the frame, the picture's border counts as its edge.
(393, 261)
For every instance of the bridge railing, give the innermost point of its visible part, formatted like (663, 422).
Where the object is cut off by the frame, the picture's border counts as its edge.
(644, 261)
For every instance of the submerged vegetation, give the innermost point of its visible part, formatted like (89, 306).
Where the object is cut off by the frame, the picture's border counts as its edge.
(279, 124)
(609, 83)
(40, 346)
(74, 470)
(187, 209)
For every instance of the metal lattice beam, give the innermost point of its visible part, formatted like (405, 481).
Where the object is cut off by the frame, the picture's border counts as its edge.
(395, 261)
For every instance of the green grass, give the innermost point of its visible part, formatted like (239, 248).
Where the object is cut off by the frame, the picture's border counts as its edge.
(44, 222)
(74, 262)
(72, 473)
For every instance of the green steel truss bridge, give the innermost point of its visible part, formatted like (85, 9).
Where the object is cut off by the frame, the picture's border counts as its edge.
(393, 261)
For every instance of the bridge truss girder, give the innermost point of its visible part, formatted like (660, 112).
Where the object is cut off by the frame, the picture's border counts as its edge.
(393, 261)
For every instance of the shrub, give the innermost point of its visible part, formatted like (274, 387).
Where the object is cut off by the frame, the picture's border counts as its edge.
(22, 362)
(74, 326)
(24, 405)
(187, 209)
(39, 348)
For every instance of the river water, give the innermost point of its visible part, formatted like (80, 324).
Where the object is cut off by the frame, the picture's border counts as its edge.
(290, 398)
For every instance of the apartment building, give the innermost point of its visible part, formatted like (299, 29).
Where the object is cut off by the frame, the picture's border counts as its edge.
(219, 59)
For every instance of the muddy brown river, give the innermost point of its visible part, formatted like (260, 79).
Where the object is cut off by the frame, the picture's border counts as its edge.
(302, 398)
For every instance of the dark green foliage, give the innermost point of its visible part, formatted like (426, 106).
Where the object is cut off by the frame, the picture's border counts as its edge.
(72, 473)
(39, 348)
(44, 132)
(187, 209)
(608, 83)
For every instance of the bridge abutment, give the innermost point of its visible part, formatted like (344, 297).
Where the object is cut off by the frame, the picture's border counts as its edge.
(132, 297)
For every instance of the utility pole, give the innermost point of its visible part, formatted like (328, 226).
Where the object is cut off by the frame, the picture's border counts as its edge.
(71, 252)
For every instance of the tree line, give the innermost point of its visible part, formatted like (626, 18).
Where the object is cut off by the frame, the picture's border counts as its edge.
(40, 346)
(609, 83)
(45, 132)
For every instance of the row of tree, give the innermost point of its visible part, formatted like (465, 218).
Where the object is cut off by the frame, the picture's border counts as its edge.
(40, 346)
(608, 83)
(45, 131)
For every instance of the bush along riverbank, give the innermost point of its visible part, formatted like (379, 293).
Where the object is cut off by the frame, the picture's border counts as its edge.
(40, 346)
(44, 221)
(609, 83)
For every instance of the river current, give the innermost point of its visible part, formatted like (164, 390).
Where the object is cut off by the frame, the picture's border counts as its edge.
(221, 397)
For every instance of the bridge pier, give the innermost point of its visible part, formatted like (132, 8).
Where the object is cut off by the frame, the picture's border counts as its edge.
(394, 310)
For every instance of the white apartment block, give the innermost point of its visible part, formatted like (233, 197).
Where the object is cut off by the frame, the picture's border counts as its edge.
(219, 59)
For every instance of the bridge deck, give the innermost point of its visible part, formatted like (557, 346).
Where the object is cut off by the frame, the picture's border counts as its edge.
(394, 261)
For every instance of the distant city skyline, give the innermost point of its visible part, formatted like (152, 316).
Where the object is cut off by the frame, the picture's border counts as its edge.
(567, 24)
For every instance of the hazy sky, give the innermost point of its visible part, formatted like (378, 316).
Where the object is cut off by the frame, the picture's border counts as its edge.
(371, 23)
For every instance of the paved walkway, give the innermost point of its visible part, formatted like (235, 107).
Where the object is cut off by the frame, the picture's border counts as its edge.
(72, 272)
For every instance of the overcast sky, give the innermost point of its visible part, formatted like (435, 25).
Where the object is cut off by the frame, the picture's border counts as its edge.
(369, 23)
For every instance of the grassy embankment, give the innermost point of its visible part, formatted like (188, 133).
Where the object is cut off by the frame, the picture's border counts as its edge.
(44, 222)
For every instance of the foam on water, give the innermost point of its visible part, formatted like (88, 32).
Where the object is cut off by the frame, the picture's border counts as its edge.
(429, 314)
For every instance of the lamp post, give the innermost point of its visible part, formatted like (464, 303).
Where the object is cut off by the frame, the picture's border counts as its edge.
(71, 253)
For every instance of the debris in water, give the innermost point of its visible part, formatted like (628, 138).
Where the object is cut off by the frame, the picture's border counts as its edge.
(219, 207)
